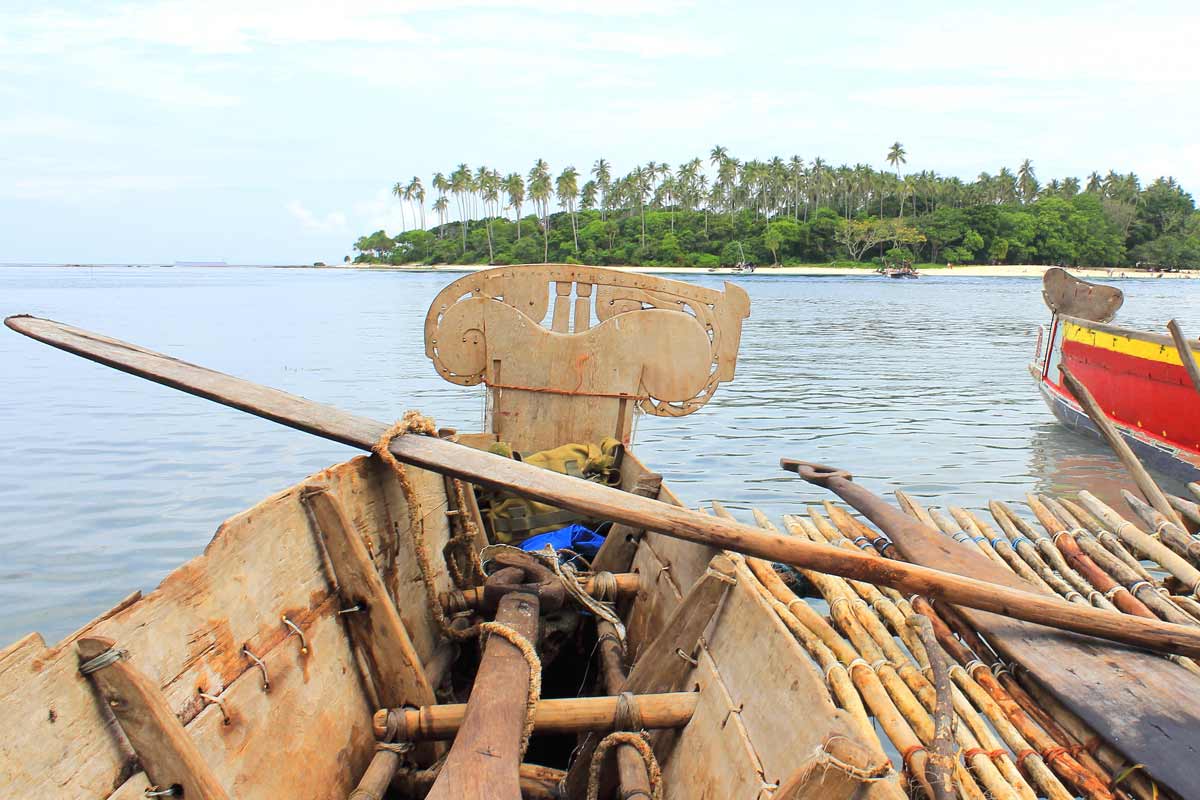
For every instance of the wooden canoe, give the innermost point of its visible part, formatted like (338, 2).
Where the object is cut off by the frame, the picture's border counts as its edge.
(272, 664)
(1139, 378)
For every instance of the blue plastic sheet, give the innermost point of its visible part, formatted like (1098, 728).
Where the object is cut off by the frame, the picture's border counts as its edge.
(580, 538)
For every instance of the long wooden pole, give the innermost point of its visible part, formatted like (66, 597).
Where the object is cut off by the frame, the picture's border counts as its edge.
(1185, 353)
(1109, 431)
(560, 715)
(603, 502)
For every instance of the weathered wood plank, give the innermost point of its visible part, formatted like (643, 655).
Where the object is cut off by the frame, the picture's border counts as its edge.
(485, 759)
(189, 633)
(165, 751)
(376, 626)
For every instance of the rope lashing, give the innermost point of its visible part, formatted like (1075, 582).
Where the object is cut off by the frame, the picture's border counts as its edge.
(909, 752)
(604, 586)
(535, 672)
(628, 716)
(399, 748)
(463, 544)
(415, 422)
(634, 740)
(109, 656)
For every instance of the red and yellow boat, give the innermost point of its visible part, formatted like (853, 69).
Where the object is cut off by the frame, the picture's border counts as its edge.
(1138, 378)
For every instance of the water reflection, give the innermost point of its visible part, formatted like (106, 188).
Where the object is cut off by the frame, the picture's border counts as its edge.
(110, 482)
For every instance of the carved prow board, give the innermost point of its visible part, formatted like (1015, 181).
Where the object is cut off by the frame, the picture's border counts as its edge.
(614, 342)
(1066, 294)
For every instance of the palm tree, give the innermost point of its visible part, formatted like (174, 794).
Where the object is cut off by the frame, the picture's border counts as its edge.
(514, 187)
(489, 190)
(398, 190)
(461, 185)
(896, 157)
(718, 155)
(442, 207)
(588, 195)
(602, 171)
(442, 186)
(539, 192)
(640, 181)
(567, 189)
(1027, 182)
(415, 191)
(1093, 183)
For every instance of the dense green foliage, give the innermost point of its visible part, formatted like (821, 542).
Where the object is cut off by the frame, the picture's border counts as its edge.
(791, 212)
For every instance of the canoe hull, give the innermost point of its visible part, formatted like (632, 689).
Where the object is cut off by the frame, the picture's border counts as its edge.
(1140, 382)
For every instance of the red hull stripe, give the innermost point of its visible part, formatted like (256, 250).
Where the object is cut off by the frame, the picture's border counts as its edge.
(1152, 395)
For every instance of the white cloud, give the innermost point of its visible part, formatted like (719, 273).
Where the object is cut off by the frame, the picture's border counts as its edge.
(333, 222)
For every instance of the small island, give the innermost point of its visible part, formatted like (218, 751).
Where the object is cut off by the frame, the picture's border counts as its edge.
(723, 212)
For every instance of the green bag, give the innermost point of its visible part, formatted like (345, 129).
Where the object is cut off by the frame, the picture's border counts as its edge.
(514, 518)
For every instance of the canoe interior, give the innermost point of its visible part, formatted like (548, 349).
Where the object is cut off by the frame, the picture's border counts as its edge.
(310, 735)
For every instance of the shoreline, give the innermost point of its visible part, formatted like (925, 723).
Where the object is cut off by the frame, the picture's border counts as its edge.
(807, 270)
(817, 270)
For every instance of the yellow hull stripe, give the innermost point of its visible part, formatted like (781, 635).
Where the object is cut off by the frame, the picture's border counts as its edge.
(1124, 345)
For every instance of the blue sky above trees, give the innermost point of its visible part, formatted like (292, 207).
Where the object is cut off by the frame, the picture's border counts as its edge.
(273, 131)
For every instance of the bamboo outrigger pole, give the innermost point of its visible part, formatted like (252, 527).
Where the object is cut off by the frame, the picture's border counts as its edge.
(604, 502)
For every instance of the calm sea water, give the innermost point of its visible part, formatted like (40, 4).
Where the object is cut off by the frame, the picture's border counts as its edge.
(109, 482)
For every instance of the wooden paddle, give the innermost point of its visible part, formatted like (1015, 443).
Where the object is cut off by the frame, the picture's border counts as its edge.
(602, 502)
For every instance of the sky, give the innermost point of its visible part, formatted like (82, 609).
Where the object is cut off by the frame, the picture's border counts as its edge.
(270, 131)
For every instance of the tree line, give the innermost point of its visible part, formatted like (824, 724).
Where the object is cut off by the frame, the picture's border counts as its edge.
(722, 211)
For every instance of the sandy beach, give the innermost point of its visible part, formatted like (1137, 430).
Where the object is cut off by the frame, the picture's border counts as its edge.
(970, 271)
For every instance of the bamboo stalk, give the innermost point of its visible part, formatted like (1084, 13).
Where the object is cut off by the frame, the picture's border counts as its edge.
(1144, 590)
(1055, 559)
(1004, 549)
(1025, 547)
(807, 625)
(1141, 477)
(1012, 699)
(554, 716)
(912, 507)
(1107, 538)
(909, 688)
(1143, 542)
(967, 534)
(995, 714)
(1187, 509)
(1113, 591)
(1173, 535)
(1111, 761)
